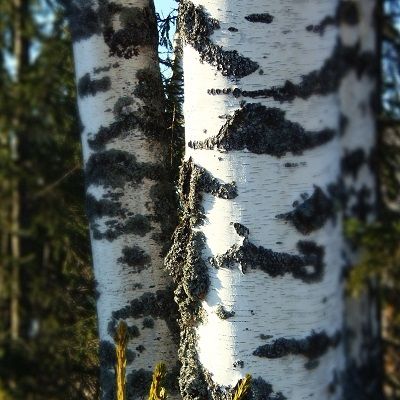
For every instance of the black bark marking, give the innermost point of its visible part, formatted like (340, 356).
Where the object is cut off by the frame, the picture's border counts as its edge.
(363, 206)
(265, 337)
(107, 383)
(363, 382)
(135, 257)
(83, 19)
(233, 29)
(138, 25)
(307, 266)
(311, 364)
(138, 382)
(311, 347)
(262, 390)
(312, 213)
(148, 323)
(263, 130)
(241, 230)
(343, 123)
(197, 27)
(148, 118)
(98, 70)
(89, 87)
(263, 18)
(138, 28)
(323, 81)
(101, 208)
(156, 305)
(190, 274)
(223, 313)
(136, 225)
(115, 168)
(352, 161)
(347, 13)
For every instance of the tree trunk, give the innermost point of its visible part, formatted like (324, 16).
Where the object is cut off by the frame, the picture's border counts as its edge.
(129, 202)
(258, 254)
(359, 104)
(21, 46)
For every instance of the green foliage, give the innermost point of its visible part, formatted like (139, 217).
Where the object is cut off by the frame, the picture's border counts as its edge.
(55, 356)
(379, 244)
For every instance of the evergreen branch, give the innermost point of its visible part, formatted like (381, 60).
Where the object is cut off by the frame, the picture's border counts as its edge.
(121, 341)
(157, 392)
(242, 388)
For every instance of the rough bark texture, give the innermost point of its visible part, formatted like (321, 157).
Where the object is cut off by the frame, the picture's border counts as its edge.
(129, 202)
(259, 273)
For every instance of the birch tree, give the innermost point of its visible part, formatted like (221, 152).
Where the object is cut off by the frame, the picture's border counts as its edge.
(128, 199)
(359, 106)
(258, 255)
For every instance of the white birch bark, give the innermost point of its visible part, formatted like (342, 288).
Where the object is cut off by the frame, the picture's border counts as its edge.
(120, 103)
(359, 97)
(257, 257)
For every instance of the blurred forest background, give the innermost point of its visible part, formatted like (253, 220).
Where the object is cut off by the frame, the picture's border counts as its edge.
(48, 338)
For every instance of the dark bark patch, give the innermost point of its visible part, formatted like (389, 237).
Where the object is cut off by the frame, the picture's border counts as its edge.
(138, 382)
(138, 28)
(311, 347)
(343, 124)
(101, 208)
(312, 213)
(241, 230)
(165, 205)
(311, 364)
(147, 118)
(265, 337)
(264, 18)
(363, 381)
(82, 19)
(135, 257)
(262, 390)
(352, 161)
(107, 383)
(148, 323)
(136, 225)
(233, 29)
(156, 305)
(347, 13)
(323, 81)
(90, 87)
(98, 70)
(196, 28)
(263, 130)
(363, 206)
(223, 313)
(107, 354)
(115, 168)
(307, 266)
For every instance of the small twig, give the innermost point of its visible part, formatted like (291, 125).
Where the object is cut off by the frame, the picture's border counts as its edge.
(56, 183)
